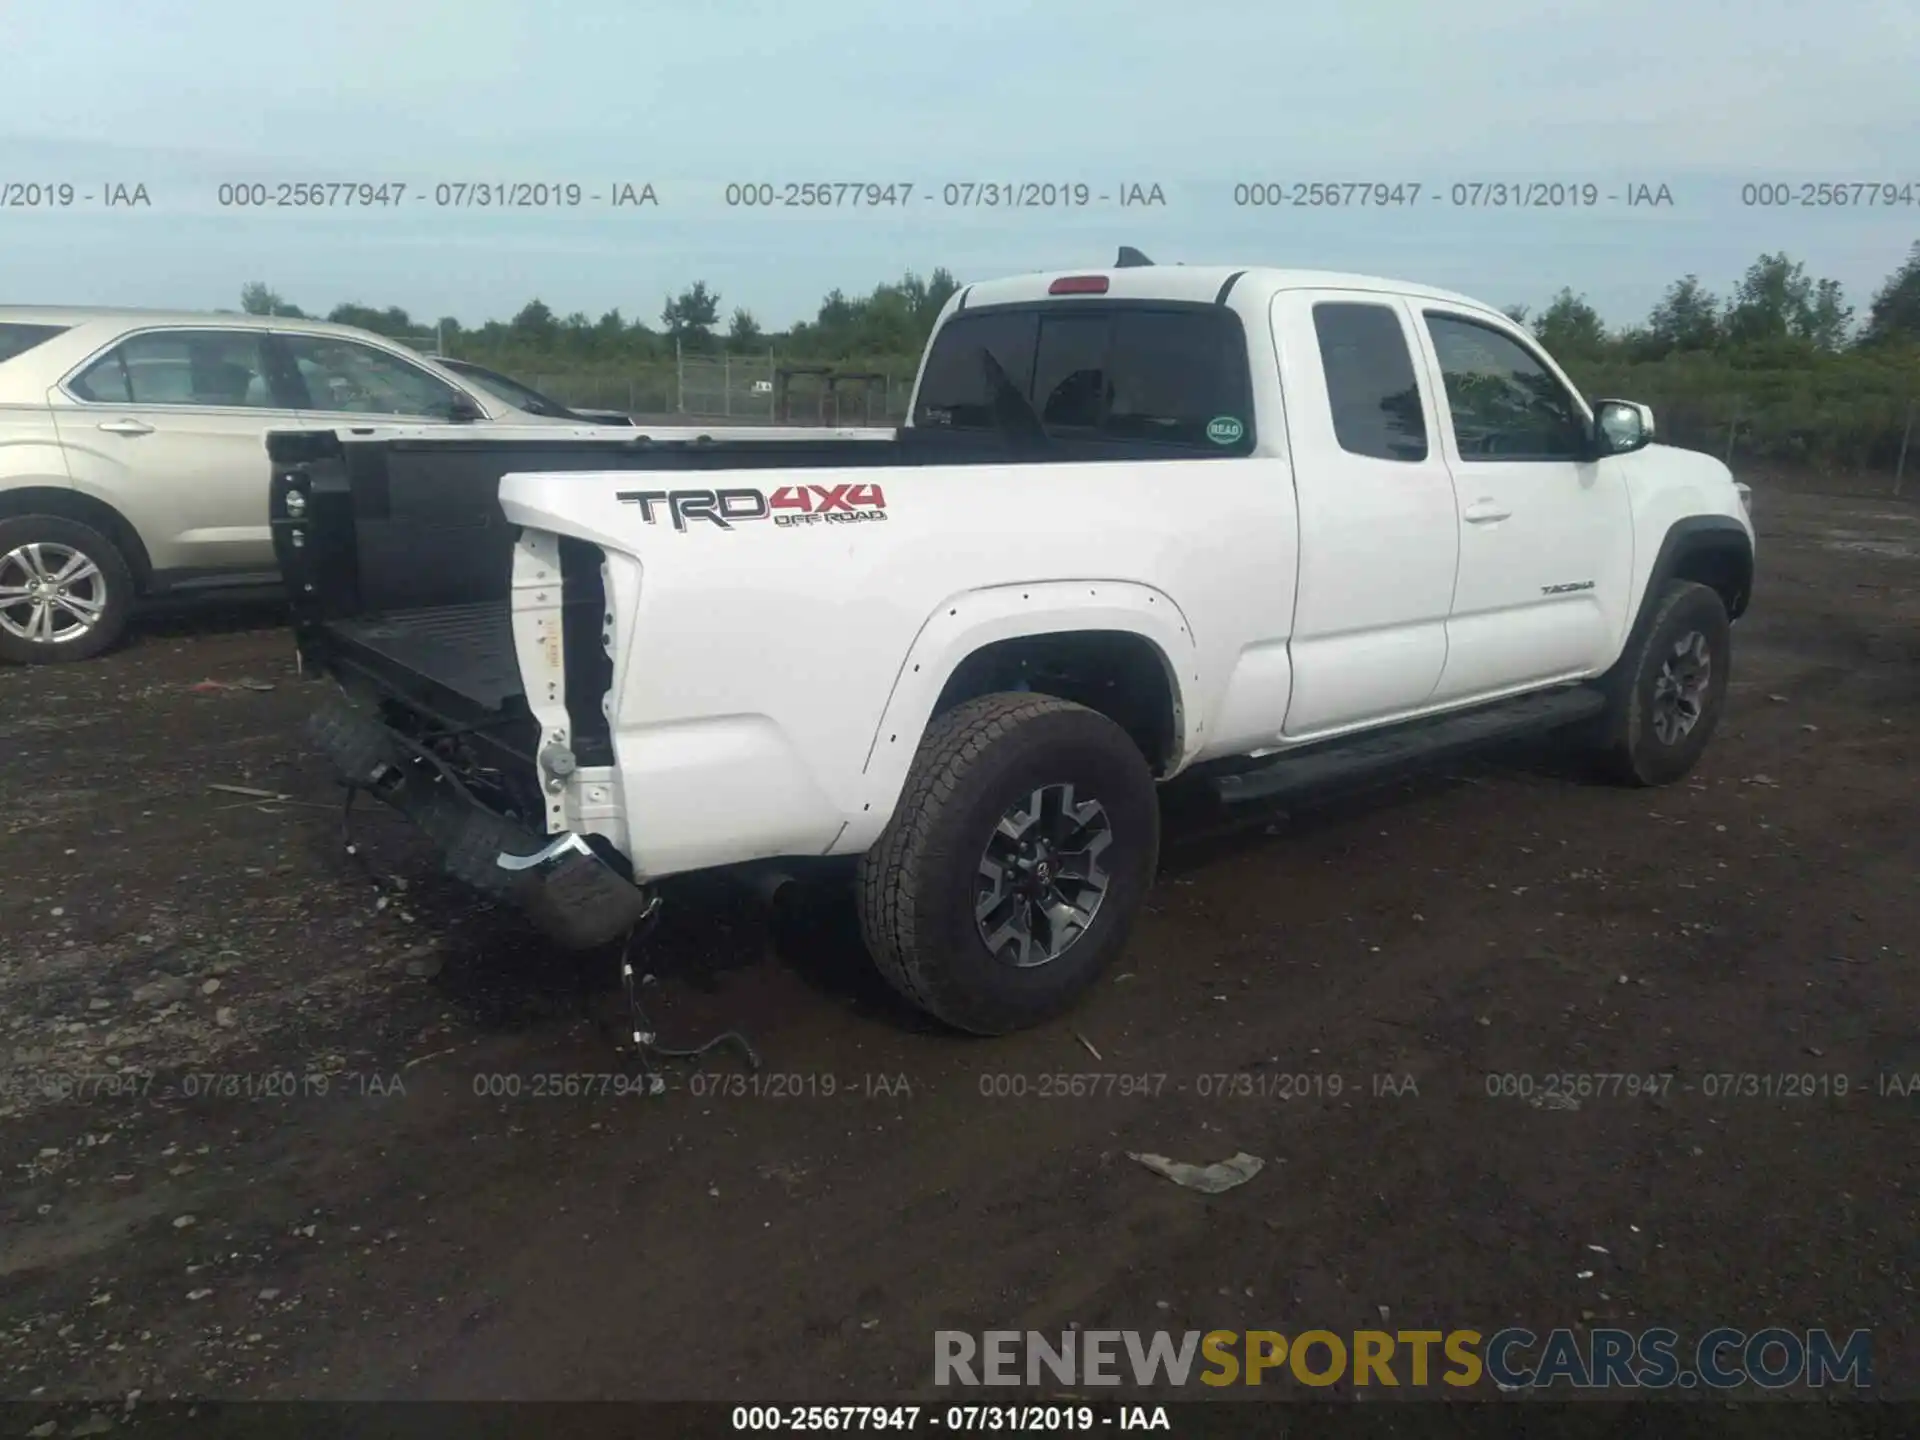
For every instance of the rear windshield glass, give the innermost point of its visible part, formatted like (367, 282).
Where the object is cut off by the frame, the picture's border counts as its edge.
(1164, 375)
(18, 339)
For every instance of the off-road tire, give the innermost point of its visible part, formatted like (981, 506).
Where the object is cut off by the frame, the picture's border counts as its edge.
(916, 885)
(1630, 750)
(115, 579)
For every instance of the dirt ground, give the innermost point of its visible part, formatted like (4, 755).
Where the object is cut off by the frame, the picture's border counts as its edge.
(313, 1180)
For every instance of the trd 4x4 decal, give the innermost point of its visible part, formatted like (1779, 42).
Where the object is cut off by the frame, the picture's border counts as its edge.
(789, 505)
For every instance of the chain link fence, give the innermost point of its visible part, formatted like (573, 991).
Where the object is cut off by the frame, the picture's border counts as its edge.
(1865, 444)
(743, 390)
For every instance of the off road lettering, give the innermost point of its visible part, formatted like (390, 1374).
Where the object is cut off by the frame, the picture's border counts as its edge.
(815, 499)
(789, 505)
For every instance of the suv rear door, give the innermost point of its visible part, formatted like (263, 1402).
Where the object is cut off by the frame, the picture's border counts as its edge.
(168, 426)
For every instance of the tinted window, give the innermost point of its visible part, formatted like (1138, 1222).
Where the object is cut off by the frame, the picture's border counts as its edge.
(18, 339)
(181, 367)
(1173, 373)
(1098, 371)
(347, 376)
(954, 393)
(1071, 389)
(1370, 382)
(1505, 404)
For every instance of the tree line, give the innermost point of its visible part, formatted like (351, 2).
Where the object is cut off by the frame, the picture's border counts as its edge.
(1780, 366)
(892, 322)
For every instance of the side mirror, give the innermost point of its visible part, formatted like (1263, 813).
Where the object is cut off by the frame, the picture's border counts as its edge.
(1620, 427)
(464, 411)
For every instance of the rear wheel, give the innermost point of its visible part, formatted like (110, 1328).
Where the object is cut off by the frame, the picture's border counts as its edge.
(1011, 872)
(1671, 688)
(65, 590)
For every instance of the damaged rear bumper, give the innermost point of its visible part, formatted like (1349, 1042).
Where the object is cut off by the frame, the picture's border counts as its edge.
(571, 893)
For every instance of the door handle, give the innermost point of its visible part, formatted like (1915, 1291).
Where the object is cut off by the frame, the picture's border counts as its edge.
(1484, 512)
(126, 427)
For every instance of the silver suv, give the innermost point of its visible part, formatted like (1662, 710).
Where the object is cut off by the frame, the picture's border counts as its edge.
(132, 455)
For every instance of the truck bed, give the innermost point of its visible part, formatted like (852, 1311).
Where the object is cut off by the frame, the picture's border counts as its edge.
(465, 648)
(402, 551)
(399, 564)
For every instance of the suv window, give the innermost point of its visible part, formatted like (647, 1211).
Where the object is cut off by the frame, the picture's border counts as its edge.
(1370, 381)
(521, 397)
(1134, 372)
(226, 368)
(1506, 405)
(16, 339)
(345, 375)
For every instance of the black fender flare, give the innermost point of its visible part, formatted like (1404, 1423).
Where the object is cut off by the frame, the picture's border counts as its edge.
(1685, 539)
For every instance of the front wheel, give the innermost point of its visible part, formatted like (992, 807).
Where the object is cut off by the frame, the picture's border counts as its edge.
(1015, 863)
(65, 591)
(1670, 689)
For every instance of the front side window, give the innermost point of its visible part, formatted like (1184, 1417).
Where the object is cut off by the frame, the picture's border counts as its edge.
(1370, 382)
(512, 392)
(224, 368)
(355, 379)
(1505, 404)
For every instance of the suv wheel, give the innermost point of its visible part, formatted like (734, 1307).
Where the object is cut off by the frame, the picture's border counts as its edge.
(1671, 689)
(1011, 872)
(65, 591)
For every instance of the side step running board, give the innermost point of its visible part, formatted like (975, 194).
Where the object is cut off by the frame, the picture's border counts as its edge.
(1341, 763)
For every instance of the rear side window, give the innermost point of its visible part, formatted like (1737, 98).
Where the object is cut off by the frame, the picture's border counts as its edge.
(1163, 375)
(223, 368)
(1370, 382)
(18, 339)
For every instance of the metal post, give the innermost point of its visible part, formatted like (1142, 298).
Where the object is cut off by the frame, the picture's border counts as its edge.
(631, 404)
(1900, 468)
(726, 381)
(773, 388)
(1733, 429)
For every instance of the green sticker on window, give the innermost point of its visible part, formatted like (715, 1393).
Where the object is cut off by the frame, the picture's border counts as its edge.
(1225, 430)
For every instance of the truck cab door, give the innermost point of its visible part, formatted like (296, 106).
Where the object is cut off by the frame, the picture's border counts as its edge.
(1378, 524)
(1545, 529)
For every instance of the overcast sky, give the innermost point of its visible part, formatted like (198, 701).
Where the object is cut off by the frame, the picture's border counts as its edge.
(1698, 95)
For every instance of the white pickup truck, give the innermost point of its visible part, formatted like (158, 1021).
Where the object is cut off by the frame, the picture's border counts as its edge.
(1271, 529)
